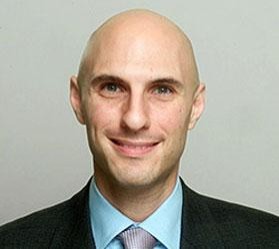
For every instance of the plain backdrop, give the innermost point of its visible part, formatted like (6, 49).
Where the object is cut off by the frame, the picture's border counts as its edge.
(232, 154)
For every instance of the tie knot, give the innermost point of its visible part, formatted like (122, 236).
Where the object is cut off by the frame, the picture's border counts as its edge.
(137, 238)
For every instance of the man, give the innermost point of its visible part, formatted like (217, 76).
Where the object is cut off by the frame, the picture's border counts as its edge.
(138, 93)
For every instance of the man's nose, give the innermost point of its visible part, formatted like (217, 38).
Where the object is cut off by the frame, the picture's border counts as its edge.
(135, 115)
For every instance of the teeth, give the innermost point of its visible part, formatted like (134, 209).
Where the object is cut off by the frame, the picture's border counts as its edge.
(134, 147)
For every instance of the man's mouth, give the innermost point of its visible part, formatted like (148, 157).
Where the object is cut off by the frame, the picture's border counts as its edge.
(132, 148)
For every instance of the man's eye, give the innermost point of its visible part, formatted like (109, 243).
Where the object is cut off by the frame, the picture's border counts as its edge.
(111, 87)
(163, 90)
(111, 90)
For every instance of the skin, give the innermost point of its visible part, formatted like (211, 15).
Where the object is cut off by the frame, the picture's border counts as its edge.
(138, 94)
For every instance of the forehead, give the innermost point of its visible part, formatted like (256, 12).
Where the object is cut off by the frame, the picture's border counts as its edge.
(137, 58)
(140, 50)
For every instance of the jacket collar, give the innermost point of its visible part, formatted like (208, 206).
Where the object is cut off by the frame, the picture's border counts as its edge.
(75, 232)
(198, 227)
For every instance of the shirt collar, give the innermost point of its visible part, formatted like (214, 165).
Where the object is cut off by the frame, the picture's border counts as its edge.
(107, 222)
(165, 223)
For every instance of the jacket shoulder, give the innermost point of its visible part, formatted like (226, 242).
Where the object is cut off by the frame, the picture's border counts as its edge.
(235, 224)
(222, 211)
(38, 229)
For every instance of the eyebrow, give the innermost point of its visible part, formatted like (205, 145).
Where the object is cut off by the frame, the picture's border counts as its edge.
(167, 80)
(106, 77)
(114, 78)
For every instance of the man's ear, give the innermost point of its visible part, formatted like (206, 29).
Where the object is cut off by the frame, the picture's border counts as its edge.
(75, 98)
(197, 106)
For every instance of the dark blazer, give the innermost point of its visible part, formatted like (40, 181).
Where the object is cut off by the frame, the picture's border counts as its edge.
(206, 223)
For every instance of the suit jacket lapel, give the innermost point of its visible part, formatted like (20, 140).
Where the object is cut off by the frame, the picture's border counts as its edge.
(76, 231)
(198, 229)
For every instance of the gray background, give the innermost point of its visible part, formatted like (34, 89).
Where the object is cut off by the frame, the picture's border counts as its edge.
(233, 152)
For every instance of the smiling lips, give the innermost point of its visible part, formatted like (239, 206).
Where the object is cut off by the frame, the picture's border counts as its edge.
(132, 148)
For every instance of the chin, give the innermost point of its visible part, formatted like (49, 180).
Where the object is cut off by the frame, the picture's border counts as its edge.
(132, 174)
(132, 183)
(140, 178)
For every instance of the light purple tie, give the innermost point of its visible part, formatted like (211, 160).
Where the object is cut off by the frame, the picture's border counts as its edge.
(137, 238)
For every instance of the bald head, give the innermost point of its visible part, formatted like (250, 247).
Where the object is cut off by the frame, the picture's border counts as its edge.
(142, 33)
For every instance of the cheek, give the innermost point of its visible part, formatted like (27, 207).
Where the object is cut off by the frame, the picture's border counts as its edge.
(172, 119)
(101, 115)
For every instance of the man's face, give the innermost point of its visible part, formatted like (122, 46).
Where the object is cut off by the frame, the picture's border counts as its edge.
(137, 107)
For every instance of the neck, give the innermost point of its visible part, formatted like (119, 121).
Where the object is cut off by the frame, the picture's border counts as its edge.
(136, 202)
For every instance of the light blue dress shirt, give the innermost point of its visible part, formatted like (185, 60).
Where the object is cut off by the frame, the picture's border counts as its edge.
(107, 222)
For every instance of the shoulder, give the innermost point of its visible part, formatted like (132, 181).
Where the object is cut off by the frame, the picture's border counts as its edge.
(38, 219)
(232, 222)
(38, 229)
(231, 214)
